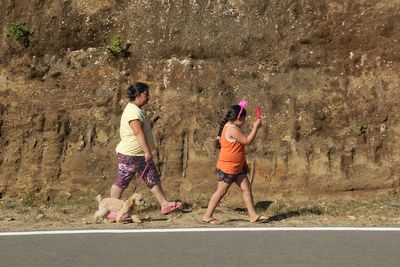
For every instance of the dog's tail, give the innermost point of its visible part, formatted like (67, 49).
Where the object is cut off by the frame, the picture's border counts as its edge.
(98, 198)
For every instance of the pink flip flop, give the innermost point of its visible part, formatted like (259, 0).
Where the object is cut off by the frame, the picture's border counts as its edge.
(171, 207)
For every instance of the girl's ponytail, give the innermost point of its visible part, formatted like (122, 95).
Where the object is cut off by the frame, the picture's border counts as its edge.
(221, 127)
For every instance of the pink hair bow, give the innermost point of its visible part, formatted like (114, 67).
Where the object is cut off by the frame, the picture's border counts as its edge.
(242, 105)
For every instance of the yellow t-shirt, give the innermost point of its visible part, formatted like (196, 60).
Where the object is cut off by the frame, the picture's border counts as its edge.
(129, 145)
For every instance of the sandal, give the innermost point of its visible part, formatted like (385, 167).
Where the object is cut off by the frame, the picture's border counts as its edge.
(212, 221)
(171, 207)
(260, 219)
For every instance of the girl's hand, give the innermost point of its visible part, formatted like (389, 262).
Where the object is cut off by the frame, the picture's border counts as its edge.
(257, 123)
(148, 157)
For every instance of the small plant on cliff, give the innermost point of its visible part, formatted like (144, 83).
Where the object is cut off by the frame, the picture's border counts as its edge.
(116, 48)
(361, 128)
(20, 32)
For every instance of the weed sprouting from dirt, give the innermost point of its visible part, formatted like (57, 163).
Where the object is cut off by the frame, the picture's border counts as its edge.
(117, 49)
(361, 128)
(20, 32)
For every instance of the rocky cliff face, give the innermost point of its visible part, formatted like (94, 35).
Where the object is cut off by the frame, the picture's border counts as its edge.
(326, 73)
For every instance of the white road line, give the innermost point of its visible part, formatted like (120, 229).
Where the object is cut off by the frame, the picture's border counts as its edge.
(206, 229)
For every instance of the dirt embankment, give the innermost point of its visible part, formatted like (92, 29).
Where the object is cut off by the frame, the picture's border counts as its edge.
(325, 73)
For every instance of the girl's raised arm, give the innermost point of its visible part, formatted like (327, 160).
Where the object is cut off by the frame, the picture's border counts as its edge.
(238, 135)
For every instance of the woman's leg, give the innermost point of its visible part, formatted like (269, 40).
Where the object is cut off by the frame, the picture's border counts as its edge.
(116, 192)
(166, 206)
(125, 170)
(245, 186)
(222, 188)
(148, 172)
(159, 194)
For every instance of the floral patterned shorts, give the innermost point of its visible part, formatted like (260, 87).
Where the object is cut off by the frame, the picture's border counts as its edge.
(128, 166)
(232, 178)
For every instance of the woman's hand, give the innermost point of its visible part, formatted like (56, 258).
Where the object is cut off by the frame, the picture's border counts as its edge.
(257, 123)
(148, 157)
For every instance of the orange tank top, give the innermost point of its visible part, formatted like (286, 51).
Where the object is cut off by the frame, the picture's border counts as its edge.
(232, 155)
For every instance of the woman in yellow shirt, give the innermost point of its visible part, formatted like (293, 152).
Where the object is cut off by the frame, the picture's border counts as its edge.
(134, 151)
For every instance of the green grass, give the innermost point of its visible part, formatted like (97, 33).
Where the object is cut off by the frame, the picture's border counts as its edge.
(361, 128)
(20, 32)
(117, 49)
(384, 209)
(387, 205)
(30, 202)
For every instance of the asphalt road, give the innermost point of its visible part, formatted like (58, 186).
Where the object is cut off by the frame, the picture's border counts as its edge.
(239, 248)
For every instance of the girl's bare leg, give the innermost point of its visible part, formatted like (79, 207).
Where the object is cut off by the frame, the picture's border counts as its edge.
(248, 198)
(222, 188)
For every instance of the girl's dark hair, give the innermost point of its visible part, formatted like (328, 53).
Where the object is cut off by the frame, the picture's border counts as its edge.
(231, 115)
(136, 89)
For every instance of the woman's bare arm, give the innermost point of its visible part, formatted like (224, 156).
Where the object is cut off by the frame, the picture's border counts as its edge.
(137, 128)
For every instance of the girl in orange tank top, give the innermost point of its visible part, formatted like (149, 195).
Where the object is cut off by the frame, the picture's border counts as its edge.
(231, 165)
(232, 155)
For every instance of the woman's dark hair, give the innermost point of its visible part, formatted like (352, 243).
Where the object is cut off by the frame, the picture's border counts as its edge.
(136, 89)
(231, 115)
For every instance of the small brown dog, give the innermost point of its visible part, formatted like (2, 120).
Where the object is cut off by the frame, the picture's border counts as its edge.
(119, 206)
